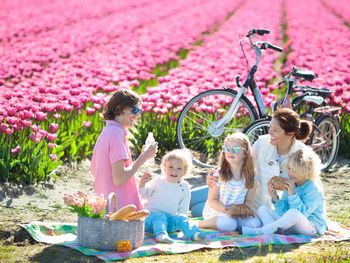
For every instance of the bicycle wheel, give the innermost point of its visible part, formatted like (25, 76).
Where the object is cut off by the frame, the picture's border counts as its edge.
(195, 129)
(325, 140)
(257, 128)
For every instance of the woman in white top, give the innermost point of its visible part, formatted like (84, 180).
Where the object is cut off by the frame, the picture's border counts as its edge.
(271, 151)
(286, 133)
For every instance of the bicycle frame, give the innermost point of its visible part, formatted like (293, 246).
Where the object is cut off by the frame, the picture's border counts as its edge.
(216, 128)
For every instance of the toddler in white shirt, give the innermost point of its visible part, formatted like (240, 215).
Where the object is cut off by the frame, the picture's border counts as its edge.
(167, 197)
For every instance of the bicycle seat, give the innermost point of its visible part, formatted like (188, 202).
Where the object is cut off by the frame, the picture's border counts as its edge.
(305, 74)
(323, 92)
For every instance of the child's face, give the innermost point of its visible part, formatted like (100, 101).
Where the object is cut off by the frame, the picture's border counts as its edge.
(294, 176)
(234, 152)
(174, 170)
(129, 116)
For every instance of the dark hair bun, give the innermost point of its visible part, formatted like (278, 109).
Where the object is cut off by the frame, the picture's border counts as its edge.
(304, 130)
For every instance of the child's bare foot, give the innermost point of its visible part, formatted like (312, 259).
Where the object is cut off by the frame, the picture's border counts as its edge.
(164, 238)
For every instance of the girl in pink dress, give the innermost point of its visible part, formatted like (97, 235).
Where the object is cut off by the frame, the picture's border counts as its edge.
(111, 164)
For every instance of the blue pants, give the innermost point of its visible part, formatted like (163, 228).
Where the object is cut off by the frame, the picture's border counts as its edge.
(158, 223)
(199, 196)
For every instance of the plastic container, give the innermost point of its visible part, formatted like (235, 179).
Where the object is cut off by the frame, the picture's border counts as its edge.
(149, 141)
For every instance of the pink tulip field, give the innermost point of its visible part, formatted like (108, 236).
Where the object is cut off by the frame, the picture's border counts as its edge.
(61, 59)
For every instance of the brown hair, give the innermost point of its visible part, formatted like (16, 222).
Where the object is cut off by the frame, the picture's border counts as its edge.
(118, 102)
(290, 121)
(182, 155)
(248, 165)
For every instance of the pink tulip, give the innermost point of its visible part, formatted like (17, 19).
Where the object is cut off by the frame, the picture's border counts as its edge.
(53, 127)
(51, 137)
(40, 116)
(51, 145)
(53, 157)
(86, 124)
(16, 150)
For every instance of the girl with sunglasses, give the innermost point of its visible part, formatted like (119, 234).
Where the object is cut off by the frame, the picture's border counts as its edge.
(235, 185)
(111, 165)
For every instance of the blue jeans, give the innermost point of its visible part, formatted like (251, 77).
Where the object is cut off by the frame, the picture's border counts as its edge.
(159, 222)
(199, 196)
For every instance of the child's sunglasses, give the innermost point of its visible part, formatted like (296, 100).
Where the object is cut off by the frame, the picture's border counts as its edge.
(229, 149)
(136, 110)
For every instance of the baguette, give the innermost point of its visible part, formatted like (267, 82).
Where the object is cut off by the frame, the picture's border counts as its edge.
(138, 215)
(123, 212)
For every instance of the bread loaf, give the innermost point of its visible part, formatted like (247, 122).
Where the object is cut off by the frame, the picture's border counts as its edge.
(279, 182)
(138, 215)
(123, 212)
(240, 210)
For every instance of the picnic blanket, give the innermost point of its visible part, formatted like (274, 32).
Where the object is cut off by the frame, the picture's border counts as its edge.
(65, 234)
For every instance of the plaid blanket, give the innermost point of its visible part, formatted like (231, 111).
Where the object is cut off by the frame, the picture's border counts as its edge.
(65, 234)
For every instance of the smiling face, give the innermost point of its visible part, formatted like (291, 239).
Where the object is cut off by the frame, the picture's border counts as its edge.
(278, 135)
(234, 152)
(129, 116)
(174, 170)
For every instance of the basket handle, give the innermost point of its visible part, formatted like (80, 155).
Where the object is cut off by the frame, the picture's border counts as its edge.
(112, 204)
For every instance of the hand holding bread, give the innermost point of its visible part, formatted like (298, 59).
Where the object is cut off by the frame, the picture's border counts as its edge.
(279, 183)
(241, 210)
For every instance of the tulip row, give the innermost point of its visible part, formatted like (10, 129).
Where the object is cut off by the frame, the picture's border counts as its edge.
(340, 7)
(68, 85)
(34, 53)
(320, 47)
(19, 20)
(214, 64)
(61, 93)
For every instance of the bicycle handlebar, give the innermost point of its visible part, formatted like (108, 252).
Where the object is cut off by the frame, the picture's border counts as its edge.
(265, 45)
(260, 32)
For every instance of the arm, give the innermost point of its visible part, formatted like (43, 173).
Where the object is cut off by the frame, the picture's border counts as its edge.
(122, 174)
(251, 195)
(213, 199)
(147, 190)
(185, 202)
(306, 203)
(282, 206)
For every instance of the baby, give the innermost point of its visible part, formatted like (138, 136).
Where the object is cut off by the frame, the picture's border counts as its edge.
(167, 197)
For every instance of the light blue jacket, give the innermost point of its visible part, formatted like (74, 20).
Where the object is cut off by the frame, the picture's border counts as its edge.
(309, 200)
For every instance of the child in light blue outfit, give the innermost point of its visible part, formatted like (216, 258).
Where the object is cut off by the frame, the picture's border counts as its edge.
(301, 209)
(167, 197)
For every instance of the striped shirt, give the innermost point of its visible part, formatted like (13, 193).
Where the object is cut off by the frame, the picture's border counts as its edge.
(232, 192)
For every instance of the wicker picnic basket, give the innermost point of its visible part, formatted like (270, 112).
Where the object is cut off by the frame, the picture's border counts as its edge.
(104, 234)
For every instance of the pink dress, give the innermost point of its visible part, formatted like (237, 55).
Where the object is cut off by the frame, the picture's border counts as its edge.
(111, 146)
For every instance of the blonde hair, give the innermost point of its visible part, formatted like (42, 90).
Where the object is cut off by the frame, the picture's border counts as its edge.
(306, 164)
(182, 155)
(248, 165)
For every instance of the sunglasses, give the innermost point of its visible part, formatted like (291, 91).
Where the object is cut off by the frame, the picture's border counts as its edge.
(136, 110)
(229, 149)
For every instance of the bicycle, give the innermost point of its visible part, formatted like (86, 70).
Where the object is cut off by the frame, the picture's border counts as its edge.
(310, 105)
(208, 117)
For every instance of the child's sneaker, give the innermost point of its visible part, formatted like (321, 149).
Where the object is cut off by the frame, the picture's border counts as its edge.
(164, 238)
(198, 236)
